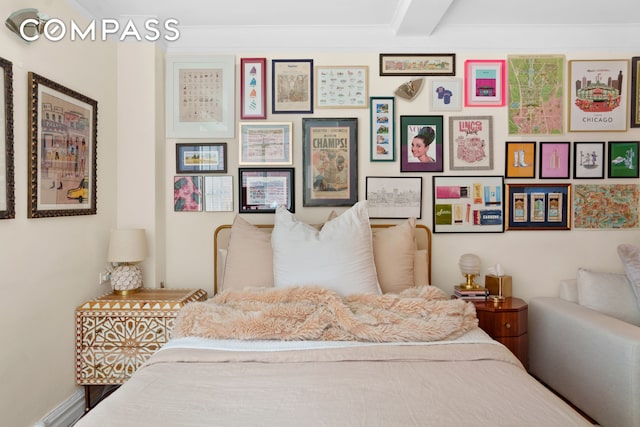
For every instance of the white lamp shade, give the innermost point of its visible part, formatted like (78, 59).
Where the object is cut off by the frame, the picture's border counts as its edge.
(127, 245)
(469, 264)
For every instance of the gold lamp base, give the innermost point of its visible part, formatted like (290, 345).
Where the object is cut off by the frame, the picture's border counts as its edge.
(124, 292)
(470, 284)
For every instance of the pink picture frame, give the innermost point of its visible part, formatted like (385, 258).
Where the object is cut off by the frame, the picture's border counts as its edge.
(484, 83)
(554, 160)
(253, 86)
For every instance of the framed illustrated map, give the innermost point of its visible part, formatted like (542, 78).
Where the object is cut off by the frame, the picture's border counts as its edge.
(604, 206)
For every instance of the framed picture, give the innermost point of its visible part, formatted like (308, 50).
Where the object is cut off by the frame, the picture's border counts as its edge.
(446, 94)
(623, 159)
(536, 94)
(554, 160)
(187, 193)
(330, 165)
(606, 206)
(218, 193)
(263, 190)
(7, 171)
(253, 88)
(520, 160)
(598, 95)
(342, 87)
(635, 92)
(484, 83)
(468, 204)
(538, 206)
(588, 160)
(200, 96)
(383, 128)
(292, 86)
(417, 64)
(265, 144)
(208, 157)
(421, 141)
(394, 197)
(471, 143)
(63, 141)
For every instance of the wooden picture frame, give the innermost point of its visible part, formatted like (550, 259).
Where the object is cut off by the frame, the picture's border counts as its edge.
(623, 159)
(471, 143)
(635, 92)
(520, 159)
(253, 88)
(200, 96)
(262, 190)
(218, 193)
(417, 64)
(63, 143)
(292, 86)
(606, 206)
(209, 157)
(446, 94)
(394, 196)
(554, 160)
(468, 204)
(187, 193)
(538, 206)
(342, 86)
(382, 128)
(265, 144)
(413, 156)
(7, 171)
(588, 160)
(330, 165)
(484, 83)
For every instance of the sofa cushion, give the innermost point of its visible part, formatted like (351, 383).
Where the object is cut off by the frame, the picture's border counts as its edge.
(630, 256)
(608, 293)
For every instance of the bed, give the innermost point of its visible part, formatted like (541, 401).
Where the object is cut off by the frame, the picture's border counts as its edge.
(290, 353)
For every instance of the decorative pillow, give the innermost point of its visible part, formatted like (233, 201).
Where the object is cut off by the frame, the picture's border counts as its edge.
(337, 257)
(608, 293)
(630, 256)
(421, 268)
(394, 250)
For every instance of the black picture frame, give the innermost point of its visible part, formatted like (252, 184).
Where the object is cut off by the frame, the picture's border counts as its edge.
(623, 159)
(292, 86)
(208, 157)
(262, 190)
(588, 160)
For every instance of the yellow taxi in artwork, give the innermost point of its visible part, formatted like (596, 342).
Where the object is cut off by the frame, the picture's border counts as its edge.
(81, 192)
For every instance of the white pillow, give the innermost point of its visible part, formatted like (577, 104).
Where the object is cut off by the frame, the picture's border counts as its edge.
(608, 293)
(630, 257)
(338, 257)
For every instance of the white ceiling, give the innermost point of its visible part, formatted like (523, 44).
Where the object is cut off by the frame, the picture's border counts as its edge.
(379, 23)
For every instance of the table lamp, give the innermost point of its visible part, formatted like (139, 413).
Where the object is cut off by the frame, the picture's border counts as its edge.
(127, 246)
(470, 267)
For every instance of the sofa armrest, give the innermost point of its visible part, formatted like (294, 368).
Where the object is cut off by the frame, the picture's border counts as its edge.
(591, 359)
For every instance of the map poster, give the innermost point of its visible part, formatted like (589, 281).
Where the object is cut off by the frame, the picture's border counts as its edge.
(536, 94)
(606, 206)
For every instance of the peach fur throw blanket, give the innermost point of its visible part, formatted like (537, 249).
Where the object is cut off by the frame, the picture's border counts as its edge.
(311, 313)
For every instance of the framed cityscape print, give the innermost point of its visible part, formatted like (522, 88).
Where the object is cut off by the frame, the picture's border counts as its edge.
(484, 83)
(623, 159)
(421, 142)
(210, 157)
(342, 86)
(417, 64)
(554, 160)
(471, 143)
(520, 159)
(588, 160)
(291, 86)
(7, 190)
(262, 190)
(187, 193)
(538, 206)
(446, 94)
(253, 88)
(266, 143)
(598, 95)
(63, 142)
(394, 196)
(330, 166)
(468, 204)
(383, 128)
(635, 92)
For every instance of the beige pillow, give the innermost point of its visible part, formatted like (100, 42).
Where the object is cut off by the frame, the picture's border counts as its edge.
(394, 250)
(608, 293)
(421, 268)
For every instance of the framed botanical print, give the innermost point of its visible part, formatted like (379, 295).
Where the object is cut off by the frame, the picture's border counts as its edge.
(7, 190)
(538, 206)
(520, 159)
(262, 190)
(554, 160)
(484, 83)
(291, 86)
(253, 88)
(383, 128)
(421, 142)
(623, 159)
(471, 143)
(588, 160)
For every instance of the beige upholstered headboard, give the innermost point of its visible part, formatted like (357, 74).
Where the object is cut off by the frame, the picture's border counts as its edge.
(223, 233)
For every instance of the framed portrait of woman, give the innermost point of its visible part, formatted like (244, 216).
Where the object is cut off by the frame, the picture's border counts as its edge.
(421, 144)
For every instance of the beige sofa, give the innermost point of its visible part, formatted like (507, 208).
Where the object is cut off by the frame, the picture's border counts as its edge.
(578, 348)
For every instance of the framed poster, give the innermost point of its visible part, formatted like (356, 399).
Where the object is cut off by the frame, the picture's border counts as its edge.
(471, 143)
(635, 92)
(598, 95)
(330, 165)
(200, 96)
(484, 83)
(421, 140)
(208, 157)
(253, 88)
(446, 94)
(63, 141)
(291, 86)
(536, 94)
(187, 193)
(588, 160)
(606, 206)
(262, 190)
(417, 64)
(554, 160)
(394, 197)
(538, 206)
(7, 190)
(383, 128)
(265, 144)
(342, 87)
(218, 193)
(520, 160)
(623, 159)
(468, 204)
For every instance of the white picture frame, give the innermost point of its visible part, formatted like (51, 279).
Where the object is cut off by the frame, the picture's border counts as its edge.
(446, 94)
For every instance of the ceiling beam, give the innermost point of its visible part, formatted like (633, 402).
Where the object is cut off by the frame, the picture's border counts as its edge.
(420, 17)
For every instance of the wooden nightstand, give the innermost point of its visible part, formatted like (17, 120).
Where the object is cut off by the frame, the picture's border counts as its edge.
(116, 334)
(506, 322)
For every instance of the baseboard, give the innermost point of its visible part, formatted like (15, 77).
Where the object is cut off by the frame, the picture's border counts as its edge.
(66, 413)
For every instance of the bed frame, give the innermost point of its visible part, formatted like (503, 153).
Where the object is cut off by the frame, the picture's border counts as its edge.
(223, 233)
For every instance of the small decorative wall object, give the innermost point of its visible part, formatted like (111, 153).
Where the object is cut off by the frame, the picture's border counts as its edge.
(383, 128)
(484, 84)
(538, 206)
(471, 143)
(262, 190)
(588, 160)
(7, 196)
(253, 88)
(606, 206)
(410, 89)
(187, 193)
(421, 142)
(623, 159)
(554, 160)
(520, 160)
(291, 86)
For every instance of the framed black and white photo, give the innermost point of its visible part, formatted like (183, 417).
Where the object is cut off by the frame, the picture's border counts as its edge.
(394, 197)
